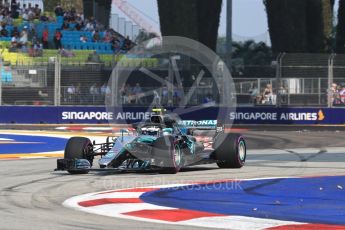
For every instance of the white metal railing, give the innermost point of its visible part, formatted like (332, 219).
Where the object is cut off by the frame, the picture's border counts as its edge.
(286, 92)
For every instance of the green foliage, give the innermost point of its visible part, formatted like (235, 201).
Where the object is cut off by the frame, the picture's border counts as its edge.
(4, 44)
(252, 53)
(49, 5)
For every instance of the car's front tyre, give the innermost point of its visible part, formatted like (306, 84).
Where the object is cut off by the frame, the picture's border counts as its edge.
(168, 155)
(230, 150)
(78, 148)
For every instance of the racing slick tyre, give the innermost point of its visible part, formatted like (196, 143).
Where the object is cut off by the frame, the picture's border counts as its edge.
(230, 150)
(78, 148)
(168, 155)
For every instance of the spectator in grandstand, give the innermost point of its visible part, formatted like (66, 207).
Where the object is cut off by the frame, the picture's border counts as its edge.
(283, 94)
(32, 37)
(254, 93)
(36, 50)
(14, 9)
(107, 37)
(127, 43)
(266, 97)
(71, 93)
(104, 88)
(45, 38)
(22, 9)
(65, 25)
(177, 96)
(66, 53)
(332, 93)
(105, 91)
(57, 39)
(342, 93)
(89, 26)
(15, 31)
(124, 92)
(14, 43)
(94, 93)
(25, 16)
(96, 37)
(30, 12)
(79, 26)
(4, 32)
(165, 95)
(94, 57)
(70, 15)
(44, 18)
(23, 37)
(209, 101)
(115, 44)
(7, 20)
(37, 11)
(156, 99)
(58, 11)
(83, 38)
(79, 94)
(337, 97)
(137, 92)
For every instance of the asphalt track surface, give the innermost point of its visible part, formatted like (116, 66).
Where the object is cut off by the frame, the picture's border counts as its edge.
(32, 193)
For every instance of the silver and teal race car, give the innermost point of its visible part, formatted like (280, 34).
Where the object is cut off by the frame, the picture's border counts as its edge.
(163, 143)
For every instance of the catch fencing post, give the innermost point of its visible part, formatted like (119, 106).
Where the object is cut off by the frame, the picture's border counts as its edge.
(330, 79)
(279, 76)
(57, 81)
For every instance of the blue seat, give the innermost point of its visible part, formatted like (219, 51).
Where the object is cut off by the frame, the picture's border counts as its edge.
(93, 46)
(77, 45)
(98, 46)
(6, 76)
(59, 19)
(107, 46)
(69, 45)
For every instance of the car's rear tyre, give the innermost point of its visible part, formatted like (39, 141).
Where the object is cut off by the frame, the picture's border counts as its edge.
(230, 150)
(168, 155)
(78, 148)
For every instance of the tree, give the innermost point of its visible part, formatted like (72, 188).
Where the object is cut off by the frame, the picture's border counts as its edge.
(49, 5)
(340, 39)
(195, 19)
(315, 26)
(327, 13)
(287, 25)
(299, 25)
(252, 53)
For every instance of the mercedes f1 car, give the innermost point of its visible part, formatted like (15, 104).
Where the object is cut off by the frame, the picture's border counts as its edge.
(163, 143)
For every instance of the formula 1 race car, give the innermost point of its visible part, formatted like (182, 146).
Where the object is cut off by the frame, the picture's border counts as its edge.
(163, 143)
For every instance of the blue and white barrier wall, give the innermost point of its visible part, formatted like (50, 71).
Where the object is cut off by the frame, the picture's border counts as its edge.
(93, 115)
